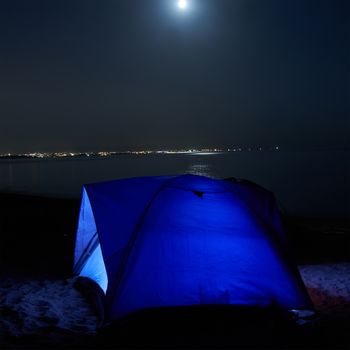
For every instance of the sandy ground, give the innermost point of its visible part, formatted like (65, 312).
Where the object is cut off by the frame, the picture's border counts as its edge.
(329, 288)
(50, 312)
(30, 306)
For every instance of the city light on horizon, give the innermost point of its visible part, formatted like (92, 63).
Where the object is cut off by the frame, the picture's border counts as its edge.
(200, 151)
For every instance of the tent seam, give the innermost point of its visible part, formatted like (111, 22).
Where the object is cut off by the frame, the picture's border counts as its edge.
(132, 241)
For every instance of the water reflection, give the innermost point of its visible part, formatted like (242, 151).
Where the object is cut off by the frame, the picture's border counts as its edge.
(10, 181)
(199, 168)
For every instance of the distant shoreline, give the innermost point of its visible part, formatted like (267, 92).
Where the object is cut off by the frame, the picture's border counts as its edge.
(196, 152)
(62, 155)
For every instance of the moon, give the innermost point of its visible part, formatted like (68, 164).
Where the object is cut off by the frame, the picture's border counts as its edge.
(182, 5)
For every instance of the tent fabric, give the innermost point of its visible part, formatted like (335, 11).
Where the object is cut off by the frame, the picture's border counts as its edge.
(185, 240)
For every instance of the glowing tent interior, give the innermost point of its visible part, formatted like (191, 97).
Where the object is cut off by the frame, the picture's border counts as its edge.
(185, 240)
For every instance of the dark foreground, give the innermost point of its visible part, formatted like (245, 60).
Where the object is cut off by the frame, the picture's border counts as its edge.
(37, 243)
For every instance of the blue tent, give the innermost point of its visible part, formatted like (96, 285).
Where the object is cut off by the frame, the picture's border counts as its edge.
(185, 240)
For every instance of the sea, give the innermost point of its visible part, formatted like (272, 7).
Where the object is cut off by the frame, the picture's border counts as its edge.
(305, 183)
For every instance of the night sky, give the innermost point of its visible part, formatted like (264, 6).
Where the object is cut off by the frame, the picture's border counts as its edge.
(129, 74)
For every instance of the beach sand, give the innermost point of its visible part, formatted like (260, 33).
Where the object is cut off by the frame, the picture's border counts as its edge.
(41, 308)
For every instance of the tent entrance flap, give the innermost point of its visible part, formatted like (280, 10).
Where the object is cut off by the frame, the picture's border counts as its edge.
(88, 251)
(89, 260)
(94, 268)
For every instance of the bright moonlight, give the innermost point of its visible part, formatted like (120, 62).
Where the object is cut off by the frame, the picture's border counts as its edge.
(182, 4)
